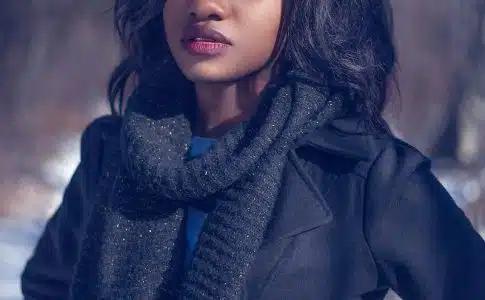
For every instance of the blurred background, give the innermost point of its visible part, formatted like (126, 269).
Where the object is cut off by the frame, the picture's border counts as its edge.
(56, 55)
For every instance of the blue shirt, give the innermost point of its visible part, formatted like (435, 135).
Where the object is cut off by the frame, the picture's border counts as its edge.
(195, 218)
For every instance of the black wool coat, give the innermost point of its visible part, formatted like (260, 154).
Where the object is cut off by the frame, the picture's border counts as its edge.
(359, 214)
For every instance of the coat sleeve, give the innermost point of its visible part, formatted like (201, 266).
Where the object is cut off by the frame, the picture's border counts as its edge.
(47, 274)
(424, 244)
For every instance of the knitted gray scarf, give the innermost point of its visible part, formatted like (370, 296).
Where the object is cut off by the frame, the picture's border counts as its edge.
(134, 243)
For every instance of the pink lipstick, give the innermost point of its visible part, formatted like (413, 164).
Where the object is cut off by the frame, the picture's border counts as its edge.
(200, 40)
(205, 47)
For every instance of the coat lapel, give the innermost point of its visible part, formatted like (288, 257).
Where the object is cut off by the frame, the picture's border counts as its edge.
(302, 205)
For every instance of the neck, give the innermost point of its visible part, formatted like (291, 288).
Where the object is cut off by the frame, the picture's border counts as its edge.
(222, 105)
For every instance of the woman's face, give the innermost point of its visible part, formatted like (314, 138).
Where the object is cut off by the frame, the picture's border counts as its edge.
(221, 40)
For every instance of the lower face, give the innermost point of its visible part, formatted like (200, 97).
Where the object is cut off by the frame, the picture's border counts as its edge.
(249, 28)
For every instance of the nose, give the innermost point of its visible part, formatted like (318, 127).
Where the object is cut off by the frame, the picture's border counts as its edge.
(207, 10)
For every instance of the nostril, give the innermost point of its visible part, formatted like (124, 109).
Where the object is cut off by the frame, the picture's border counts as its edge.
(201, 17)
(214, 17)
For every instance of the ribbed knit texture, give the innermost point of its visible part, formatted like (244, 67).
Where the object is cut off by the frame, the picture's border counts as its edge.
(134, 246)
(194, 217)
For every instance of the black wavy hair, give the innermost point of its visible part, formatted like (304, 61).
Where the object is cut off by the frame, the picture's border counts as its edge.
(348, 43)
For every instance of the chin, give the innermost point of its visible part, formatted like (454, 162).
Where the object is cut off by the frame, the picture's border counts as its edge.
(210, 73)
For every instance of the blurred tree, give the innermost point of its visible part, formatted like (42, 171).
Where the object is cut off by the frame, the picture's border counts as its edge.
(469, 83)
(55, 57)
(437, 42)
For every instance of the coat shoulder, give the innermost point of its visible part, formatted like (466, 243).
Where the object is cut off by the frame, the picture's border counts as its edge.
(98, 131)
(96, 140)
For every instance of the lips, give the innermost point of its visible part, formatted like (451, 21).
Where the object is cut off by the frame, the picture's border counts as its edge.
(203, 34)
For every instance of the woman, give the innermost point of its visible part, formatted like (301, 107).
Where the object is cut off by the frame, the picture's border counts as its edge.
(251, 162)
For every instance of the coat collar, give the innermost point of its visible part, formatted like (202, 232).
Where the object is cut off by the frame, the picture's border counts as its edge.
(347, 138)
(303, 206)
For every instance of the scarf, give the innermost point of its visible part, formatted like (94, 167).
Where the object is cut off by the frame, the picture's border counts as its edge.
(134, 243)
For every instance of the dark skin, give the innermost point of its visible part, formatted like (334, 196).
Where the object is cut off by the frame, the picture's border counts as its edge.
(227, 84)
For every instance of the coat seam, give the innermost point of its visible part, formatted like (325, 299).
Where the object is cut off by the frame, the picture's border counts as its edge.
(364, 203)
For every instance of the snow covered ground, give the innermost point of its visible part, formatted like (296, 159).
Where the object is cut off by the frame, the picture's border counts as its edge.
(17, 237)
